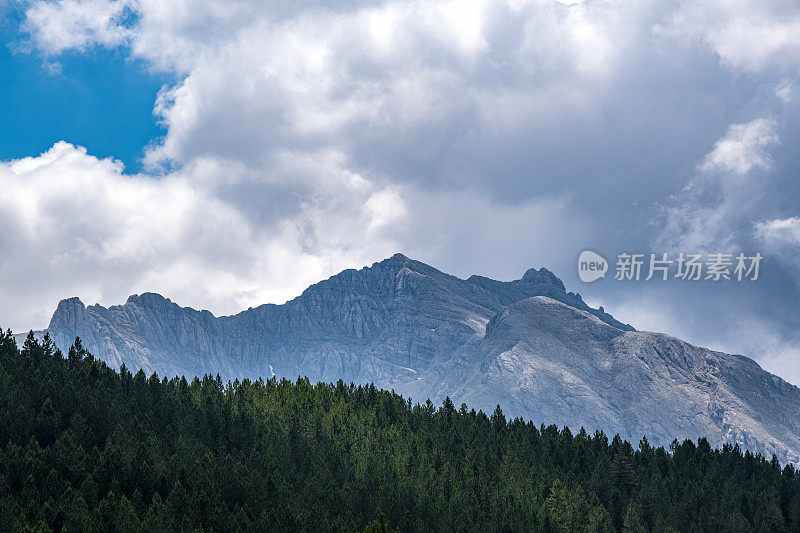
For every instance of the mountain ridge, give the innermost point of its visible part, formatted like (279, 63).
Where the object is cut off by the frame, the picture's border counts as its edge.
(527, 344)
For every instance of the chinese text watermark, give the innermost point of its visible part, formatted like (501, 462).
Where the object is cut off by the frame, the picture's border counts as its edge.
(663, 266)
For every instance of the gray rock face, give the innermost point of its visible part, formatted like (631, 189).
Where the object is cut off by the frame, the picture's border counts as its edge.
(528, 345)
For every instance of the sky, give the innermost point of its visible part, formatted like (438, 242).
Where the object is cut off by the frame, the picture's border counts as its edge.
(229, 154)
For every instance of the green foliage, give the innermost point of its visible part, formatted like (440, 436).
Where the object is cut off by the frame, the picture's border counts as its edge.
(380, 525)
(85, 448)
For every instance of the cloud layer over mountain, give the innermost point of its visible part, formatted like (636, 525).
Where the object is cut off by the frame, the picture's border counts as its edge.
(479, 136)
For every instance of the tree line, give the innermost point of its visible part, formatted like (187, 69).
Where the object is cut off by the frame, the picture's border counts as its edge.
(86, 448)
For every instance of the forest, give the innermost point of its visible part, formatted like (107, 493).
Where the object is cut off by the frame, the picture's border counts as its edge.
(84, 447)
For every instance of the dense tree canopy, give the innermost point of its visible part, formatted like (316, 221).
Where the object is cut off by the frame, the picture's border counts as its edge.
(83, 447)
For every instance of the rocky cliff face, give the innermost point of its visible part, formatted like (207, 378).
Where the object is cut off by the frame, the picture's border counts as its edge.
(528, 344)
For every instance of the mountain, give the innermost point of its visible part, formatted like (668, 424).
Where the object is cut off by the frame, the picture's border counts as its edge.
(528, 345)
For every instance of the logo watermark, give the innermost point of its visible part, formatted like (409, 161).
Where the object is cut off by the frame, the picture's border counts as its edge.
(684, 266)
(591, 266)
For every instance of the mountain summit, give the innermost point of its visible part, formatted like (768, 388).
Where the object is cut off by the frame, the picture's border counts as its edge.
(529, 345)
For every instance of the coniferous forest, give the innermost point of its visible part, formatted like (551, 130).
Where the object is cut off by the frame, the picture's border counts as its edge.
(87, 448)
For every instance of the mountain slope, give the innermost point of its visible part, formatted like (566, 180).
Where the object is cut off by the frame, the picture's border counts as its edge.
(544, 360)
(528, 344)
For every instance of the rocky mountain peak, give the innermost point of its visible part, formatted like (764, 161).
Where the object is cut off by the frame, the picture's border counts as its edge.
(69, 311)
(69, 304)
(543, 277)
(398, 258)
(148, 298)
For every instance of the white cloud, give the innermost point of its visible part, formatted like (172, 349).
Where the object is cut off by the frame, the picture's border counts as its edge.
(284, 121)
(781, 239)
(785, 91)
(72, 224)
(743, 148)
(77, 24)
(713, 211)
(401, 75)
(780, 232)
(722, 208)
(748, 35)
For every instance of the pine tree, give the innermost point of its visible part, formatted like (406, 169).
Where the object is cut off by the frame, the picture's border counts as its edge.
(380, 525)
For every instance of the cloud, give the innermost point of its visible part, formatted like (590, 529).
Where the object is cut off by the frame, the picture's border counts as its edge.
(781, 239)
(725, 206)
(784, 232)
(748, 35)
(290, 115)
(72, 224)
(469, 233)
(743, 148)
(412, 87)
(713, 212)
(482, 137)
(76, 24)
(398, 78)
(786, 91)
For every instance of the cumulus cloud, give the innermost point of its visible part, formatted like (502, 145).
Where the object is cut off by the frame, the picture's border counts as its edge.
(723, 207)
(414, 87)
(404, 82)
(77, 24)
(72, 224)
